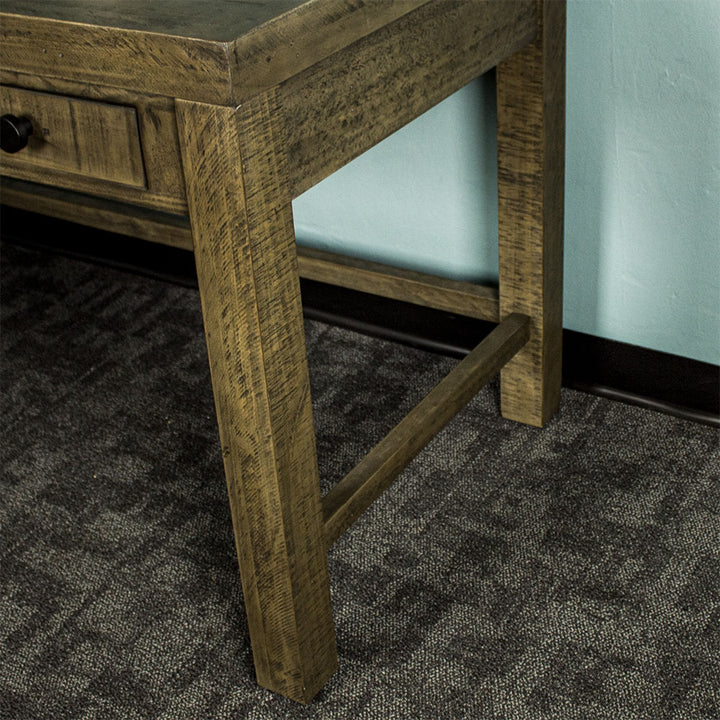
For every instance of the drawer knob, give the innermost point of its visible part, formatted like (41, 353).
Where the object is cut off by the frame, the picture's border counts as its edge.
(14, 133)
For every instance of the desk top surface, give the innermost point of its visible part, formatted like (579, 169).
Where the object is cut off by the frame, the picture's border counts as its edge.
(207, 50)
(215, 20)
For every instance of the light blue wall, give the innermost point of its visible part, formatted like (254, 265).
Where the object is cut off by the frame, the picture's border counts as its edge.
(642, 202)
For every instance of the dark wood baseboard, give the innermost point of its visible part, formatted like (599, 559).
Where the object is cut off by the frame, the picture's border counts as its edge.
(668, 383)
(649, 378)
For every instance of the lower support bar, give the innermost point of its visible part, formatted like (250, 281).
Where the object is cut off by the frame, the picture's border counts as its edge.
(462, 298)
(99, 213)
(376, 471)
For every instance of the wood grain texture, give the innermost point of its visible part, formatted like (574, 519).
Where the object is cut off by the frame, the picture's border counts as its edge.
(99, 188)
(211, 20)
(241, 218)
(130, 59)
(298, 40)
(371, 476)
(96, 140)
(341, 107)
(531, 156)
(108, 215)
(227, 50)
(155, 116)
(463, 298)
(259, 112)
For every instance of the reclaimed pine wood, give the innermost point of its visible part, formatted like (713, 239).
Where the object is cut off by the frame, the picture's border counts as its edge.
(341, 107)
(100, 213)
(113, 56)
(531, 156)
(463, 298)
(227, 50)
(155, 116)
(315, 31)
(247, 270)
(347, 500)
(239, 107)
(222, 21)
(60, 141)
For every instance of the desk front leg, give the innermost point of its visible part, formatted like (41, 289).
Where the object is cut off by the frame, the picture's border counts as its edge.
(244, 243)
(531, 162)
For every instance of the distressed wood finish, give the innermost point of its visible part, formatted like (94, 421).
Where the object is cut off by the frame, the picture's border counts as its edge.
(245, 254)
(228, 51)
(375, 472)
(343, 106)
(99, 213)
(212, 20)
(164, 183)
(128, 59)
(531, 155)
(464, 298)
(317, 30)
(234, 108)
(62, 138)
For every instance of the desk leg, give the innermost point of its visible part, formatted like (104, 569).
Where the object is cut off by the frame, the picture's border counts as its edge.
(531, 161)
(244, 242)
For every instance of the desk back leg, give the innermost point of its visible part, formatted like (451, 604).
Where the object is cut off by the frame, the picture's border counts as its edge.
(241, 218)
(531, 163)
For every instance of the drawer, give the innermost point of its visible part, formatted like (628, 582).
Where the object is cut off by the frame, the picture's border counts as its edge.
(86, 138)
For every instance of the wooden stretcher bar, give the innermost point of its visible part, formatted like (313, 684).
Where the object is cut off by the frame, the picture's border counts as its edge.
(375, 472)
(462, 298)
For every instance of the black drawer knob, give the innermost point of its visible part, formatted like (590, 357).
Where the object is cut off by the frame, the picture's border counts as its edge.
(14, 133)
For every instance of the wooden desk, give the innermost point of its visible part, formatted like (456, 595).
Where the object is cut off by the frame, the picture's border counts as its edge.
(196, 124)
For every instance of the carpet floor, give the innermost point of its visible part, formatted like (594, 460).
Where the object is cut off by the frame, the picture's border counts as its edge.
(510, 572)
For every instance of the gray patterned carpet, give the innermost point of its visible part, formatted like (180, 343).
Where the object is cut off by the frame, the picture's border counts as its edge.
(510, 573)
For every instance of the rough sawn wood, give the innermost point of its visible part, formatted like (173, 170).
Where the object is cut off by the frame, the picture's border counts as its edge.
(196, 124)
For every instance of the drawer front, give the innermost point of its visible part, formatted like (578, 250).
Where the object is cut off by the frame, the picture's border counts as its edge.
(91, 139)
